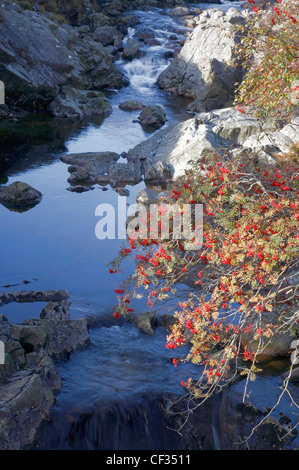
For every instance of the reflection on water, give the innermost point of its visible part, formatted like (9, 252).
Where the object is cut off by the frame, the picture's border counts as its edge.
(53, 246)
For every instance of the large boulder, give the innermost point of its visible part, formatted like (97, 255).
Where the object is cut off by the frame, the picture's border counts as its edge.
(38, 57)
(202, 70)
(19, 196)
(170, 151)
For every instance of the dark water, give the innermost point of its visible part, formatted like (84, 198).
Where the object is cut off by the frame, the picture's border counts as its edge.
(113, 391)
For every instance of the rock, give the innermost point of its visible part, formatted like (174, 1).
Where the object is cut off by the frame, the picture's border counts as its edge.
(145, 322)
(108, 35)
(202, 70)
(24, 402)
(278, 345)
(180, 11)
(152, 117)
(19, 195)
(167, 157)
(34, 296)
(89, 168)
(131, 105)
(143, 33)
(79, 189)
(56, 311)
(131, 49)
(38, 57)
(59, 338)
(147, 196)
(294, 377)
(73, 104)
(125, 173)
(123, 192)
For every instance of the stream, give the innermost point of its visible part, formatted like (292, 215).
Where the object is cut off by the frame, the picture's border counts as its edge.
(112, 390)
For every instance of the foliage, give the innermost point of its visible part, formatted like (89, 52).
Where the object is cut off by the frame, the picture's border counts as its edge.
(269, 53)
(248, 265)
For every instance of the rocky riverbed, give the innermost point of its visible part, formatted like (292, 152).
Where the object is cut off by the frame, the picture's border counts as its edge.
(130, 97)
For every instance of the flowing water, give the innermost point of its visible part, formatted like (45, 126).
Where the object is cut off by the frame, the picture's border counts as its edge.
(113, 390)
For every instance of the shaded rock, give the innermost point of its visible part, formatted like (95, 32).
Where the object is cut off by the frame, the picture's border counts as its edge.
(79, 189)
(180, 11)
(294, 377)
(89, 168)
(56, 311)
(103, 180)
(123, 192)
(19, 195)
(59, 338)
(108, 35)
(131, 49)
(34, 296)
(131, 105)
(73, 104)
(147, 196)
(145, 322)
(152, 117)
(38, 58)
(202, 70)
(278, 345)
(24, 401)
(143, 33)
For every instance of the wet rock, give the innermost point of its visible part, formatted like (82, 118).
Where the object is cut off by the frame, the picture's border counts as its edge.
(145, 322)
(89, 168)
(180, 11)
(131, 49)
(34, 296)
(56, 311)
(79, 189)
(123, 192)
(131, 105)
(152, 117)
(147, 196)
(143, 33)
(59, 338)
(19, 195)
(203, 70)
